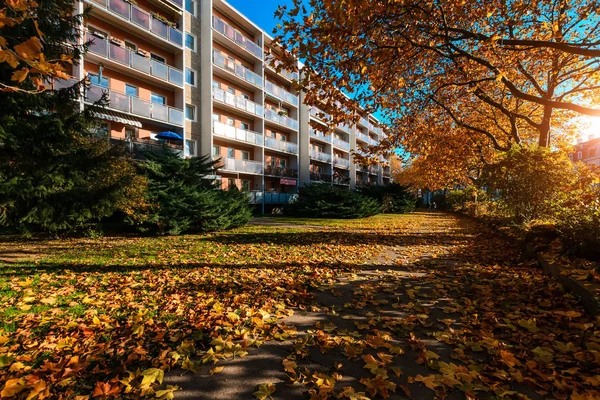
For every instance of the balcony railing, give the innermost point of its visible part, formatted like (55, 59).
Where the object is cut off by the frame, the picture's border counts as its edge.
(362, 168)
(289, 75)
(136, 106)
(231, 132)
(320, 135)
(236, 36)
(271, 198)
(364, 122)
(320, 156)
(374, 169)
(122, 55)
(282, 145)
(143, 19)
(341, 143)
(252, 167)
(341, 180)
(344, 128)
(363, 137)
(281, 93)
(281, 119)
(341, 162)
(373, 142)
(315, 111)
(281, 172)
(319, 177)
(223, 62)
(237, 102)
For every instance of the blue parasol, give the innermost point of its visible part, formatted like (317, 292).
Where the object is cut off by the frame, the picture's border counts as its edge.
(169, 135)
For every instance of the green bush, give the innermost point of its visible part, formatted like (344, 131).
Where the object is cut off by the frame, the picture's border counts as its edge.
(393, 197)
(182, 199)
(317, 200)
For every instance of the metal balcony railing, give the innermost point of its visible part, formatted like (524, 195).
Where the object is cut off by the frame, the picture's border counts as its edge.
(258, 197)
(237, 102)
(320, 135)
(142, 19)
(374, 169)
(364, 122)
(341, 143)
(362, 137)
(319, 177)
(136, 106)
(341, 180)
(122, 55)
(319, 114)
(282, 145)
(252, 167)
(281, 172)
(344, 128)
(231, 132)
(225, 63)
(236, 36)
(320, 156)
(281, 93)
(287, 74)
(281, 119)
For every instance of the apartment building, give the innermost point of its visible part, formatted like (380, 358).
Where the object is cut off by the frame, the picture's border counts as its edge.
(202, 70)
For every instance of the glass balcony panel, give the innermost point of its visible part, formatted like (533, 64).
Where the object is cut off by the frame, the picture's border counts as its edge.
(120, 7)
(140, 107)
(159, 70)
(160, 28)
(178, 3)
(176, 76)
(102, 3)
(175, 36)
(219, 94)
(140, 62)
(175, 116)
(119, 101)
(97, 45)
(160, 112)
(94, 93)
(119, 54)
(140, 17)
(259, 139)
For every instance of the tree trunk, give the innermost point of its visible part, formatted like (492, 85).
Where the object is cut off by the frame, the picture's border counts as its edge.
(544, 129)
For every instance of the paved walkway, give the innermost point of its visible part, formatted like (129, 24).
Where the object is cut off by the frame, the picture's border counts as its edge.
(449, 311)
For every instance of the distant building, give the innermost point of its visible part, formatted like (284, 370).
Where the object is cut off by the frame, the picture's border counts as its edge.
(587, 152)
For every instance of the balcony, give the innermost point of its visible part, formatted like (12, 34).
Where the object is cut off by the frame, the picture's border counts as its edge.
(319, 114)
(280, 93)
(364, 122)
(122, 55)
(362, 137)
(374, 169)
(271, 198)
(362, 168)
(320, 156)
(236, 37)
(244, 166)
(281, 145)
(341, 162)
(242, 135)
(292, 76)
(226, 64)
(142, 19)
(136, 106)
(344, 128)
(320, 177)
(337, 142)
(320, 135)
(281, 172)
(373, 141)
(341, 180)
(237, 101)
(281, 119)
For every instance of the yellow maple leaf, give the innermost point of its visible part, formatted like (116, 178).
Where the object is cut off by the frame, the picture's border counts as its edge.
(265, 390)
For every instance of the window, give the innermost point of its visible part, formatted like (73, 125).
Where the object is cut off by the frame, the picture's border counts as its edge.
(230, 90)
(244, 126)
(245, 96)
(190, 77)
(245, 155)
(98, 80)
(230, 122)
(156, 57)
(216, 117)
(216, 85)
(190, 6)
(131, 90)
(190, 112)
(245, 185)
(273, 134)
(231, 183)
(102, 130)
(130, 45)
(190, 148)
(130, 133)
(216, 150)
(190, 41)
(579, 155)
(230, 152)
(158, 99)
(283, 138)
(282, 163)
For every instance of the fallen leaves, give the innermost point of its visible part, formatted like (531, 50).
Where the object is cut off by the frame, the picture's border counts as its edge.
(264, 391)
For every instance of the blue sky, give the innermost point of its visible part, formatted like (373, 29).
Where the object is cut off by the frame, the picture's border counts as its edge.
(260, 12)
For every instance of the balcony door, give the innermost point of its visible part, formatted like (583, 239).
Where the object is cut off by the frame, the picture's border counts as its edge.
(158, 99)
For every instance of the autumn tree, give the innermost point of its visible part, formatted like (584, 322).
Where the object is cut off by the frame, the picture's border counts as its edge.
(487, 74)
(55, 173)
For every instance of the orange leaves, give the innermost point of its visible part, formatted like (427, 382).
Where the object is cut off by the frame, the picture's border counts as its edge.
(264, 391)
(509, 359)
(29, 50)
(379, 386)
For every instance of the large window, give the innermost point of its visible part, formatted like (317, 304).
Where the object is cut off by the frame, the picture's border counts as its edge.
(190, 148)
(216, 150)
(98, 80)
(131, 90)
(190, 41)
(245, 155)
(190, 77)
(158, 99)
(190, 6)
(230, 153)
